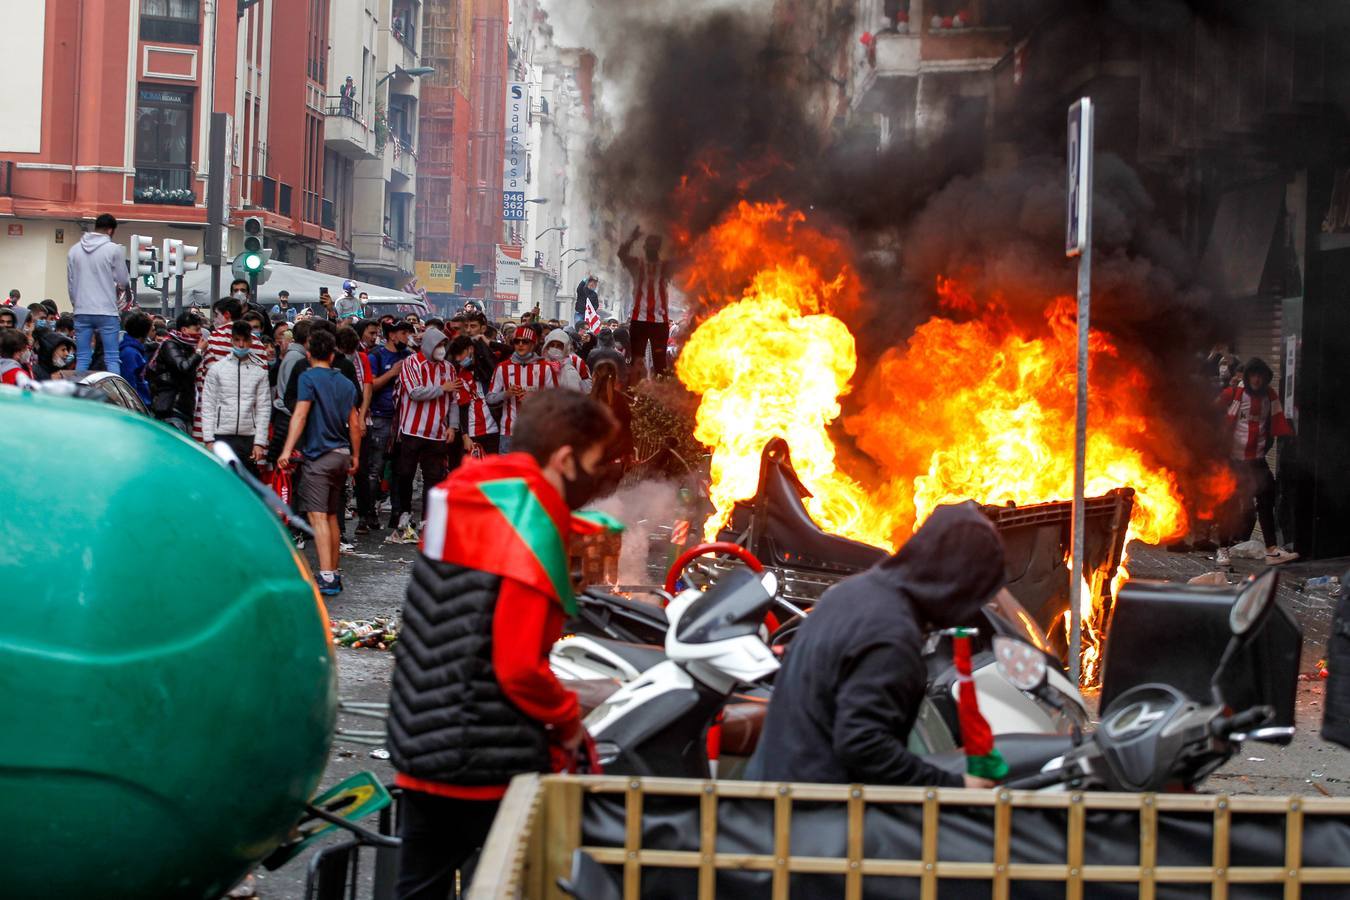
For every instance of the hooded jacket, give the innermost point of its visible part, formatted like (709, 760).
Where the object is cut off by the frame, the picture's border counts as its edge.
(564, 369)
(47, 343)
(95, 268)
(850, 688)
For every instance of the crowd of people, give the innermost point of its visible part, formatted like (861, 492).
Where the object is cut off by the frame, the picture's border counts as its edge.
(345, 407)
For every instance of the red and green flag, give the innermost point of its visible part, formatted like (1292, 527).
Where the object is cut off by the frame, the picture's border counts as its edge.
(499, 515)
(982, 758)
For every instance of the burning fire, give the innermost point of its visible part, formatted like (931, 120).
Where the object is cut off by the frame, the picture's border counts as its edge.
(974, 406)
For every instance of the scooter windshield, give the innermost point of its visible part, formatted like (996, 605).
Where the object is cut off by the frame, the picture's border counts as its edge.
(731, 608)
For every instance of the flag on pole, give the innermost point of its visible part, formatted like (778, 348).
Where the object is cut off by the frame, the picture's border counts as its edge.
(982, 758)
(592, 318)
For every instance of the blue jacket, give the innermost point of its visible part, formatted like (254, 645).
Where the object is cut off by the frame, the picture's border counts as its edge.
(132, 354)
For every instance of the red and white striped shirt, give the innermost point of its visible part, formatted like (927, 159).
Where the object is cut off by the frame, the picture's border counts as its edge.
(582, 369)
(218, 346)
(651, 291)
(428, 419)
(473, 399)
(531, 376)
(1254, 420)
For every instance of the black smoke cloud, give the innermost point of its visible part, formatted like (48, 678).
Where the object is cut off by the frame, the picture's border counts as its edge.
(722, 108)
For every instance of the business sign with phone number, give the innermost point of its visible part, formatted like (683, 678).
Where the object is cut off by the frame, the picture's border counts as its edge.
(513, 206)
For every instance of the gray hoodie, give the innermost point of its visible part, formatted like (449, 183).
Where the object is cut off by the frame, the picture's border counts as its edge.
(295, 353)
(94, 269)
(431, 339)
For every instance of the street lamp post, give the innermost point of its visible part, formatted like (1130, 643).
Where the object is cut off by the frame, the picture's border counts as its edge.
(414, 72)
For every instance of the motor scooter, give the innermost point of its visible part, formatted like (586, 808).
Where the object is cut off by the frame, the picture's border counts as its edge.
(1154, 737)
(716, 666)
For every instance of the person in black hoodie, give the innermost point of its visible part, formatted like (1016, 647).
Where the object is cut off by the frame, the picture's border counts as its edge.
(850, 688)
(55, 356)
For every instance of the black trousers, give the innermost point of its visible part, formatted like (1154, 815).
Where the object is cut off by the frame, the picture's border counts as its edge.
(434, 459)
(439, 835)
(642, 334)
(1253, 501)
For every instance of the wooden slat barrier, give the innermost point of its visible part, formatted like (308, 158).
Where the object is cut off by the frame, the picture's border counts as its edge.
(539, 827)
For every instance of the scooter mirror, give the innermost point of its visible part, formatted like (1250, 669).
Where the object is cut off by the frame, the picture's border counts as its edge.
(1252, 604)
(1021, 664)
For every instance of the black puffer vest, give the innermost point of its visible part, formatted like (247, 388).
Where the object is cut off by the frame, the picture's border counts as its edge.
(448, 718)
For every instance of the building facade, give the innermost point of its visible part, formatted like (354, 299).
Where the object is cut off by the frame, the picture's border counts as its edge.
(110, 112)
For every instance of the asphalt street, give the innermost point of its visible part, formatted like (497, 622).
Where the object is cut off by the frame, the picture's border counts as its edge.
(376, 573)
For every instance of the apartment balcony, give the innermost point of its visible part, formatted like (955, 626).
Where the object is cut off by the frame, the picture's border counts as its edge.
(382, 254)
(171, 186)
(345, 130)
(402, 157)
(898, 59)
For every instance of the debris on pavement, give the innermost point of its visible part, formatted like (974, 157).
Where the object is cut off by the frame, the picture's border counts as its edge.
(1215, 578)
(379, 753)
(380, 633)
(1248, 550)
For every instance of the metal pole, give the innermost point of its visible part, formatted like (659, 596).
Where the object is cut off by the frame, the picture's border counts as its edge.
(1081, 405)
(177, 296)
(216, 199)
(164, 294)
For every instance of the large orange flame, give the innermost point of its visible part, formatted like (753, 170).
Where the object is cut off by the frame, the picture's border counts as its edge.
(974, 406)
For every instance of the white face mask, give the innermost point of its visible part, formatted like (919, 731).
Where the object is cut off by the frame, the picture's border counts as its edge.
(438, 354)
(556, 354)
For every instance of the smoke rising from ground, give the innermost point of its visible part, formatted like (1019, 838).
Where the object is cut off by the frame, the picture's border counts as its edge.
(642, 508)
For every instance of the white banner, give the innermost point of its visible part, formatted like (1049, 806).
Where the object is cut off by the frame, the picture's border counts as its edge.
(508, 271)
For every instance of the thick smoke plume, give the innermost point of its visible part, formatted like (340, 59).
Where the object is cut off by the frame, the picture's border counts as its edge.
(717, 105)
(643, 508)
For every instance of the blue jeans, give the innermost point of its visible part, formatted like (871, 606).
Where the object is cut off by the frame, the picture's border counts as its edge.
(107, 328)
(504, 445)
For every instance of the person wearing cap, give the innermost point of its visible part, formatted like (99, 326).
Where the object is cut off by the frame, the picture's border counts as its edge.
(522, 373)
(386, 361)
(428, 417)
(283, 309)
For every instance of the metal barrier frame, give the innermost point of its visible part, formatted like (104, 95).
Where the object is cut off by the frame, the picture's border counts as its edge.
(539, 826)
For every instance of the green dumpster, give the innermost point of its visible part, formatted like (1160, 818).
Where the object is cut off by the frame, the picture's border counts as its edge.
(165, 666)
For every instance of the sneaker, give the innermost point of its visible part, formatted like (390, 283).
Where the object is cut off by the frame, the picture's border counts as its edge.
(1221, 557)
(363, 527)
(1280, 556)
(404, 521)
(346, 547)
(330, 587)
(299, 541)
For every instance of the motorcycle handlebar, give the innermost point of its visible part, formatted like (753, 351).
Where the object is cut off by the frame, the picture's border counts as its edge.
(1243, 721)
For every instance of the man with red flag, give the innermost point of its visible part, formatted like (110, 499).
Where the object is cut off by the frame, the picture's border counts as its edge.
(850, 688)
(474, 702)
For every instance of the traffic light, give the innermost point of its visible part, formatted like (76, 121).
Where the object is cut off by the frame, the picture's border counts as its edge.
(143, 253)
(179, 257)
(173, 257)
(252, 263)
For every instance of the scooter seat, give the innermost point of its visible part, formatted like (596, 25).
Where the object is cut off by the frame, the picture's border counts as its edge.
(1025, 754)
(742, 722)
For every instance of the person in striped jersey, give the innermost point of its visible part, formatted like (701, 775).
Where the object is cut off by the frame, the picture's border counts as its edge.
(651, 302)
(476, 423)
(427, 388)
(521, 374)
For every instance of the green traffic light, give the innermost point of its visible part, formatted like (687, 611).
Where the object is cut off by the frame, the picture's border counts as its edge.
(253, 262)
